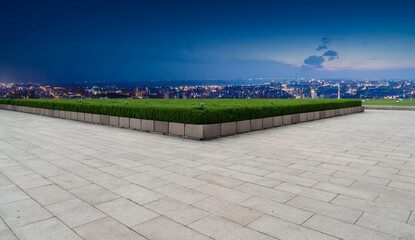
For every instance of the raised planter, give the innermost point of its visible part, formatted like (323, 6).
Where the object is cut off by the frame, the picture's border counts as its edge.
(295, 118)
(267, 122)
(228, 128)
(88, 117)
(147, 125)
(286, 120)
(256, 124)
(74, 116)
(243, 126)
(195, 131)
(303, 117)
(96, 118)
(277, 121)
(105, 119)
(207, 131)
(135, 123)
(124, 122)
(114, 121)
(81, 117)
(176, 128)
(161, 127)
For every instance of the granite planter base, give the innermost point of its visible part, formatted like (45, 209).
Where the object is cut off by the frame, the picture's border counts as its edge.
(161, 127)
(194, 131)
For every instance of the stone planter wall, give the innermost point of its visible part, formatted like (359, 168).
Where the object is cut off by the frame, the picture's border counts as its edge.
(194, 131)
(376, 107)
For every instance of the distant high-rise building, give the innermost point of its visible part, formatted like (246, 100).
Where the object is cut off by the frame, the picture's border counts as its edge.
(166, 94)
(313, 94)
(338, 91)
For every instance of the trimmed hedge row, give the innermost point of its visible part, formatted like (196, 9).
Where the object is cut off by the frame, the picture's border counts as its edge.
(188, 110)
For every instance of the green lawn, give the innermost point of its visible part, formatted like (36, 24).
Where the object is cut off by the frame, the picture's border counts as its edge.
(188, 110)
(389, 102)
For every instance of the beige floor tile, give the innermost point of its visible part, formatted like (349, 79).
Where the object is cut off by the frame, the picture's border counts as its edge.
(176, 210)
(106, 229)
(163, 228)
(20, 213)
(75, 212)
(127, 212)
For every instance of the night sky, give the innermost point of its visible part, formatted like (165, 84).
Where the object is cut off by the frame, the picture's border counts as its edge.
(120, 41)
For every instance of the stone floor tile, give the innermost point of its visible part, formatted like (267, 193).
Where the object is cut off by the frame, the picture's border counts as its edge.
(30, 181)
(15, 171)
(106, 229)
(49, 229)
(127, 212)
(292, 179)
(402, 185)
(117, 171)
(4, 181)
(392, 212)
(392, 227)
(68, 181)
(223, 193)
(94, 194)
(361, 178)
(183, 181)
(23, 212)
(324, 208)
(162, 228)
(255, 179)
(49, 194)
(411, 219)
(183, 170)
(50, 171)
(5, 232)
(178, 211)
(151, 171)
(75, 212)
(145, 180)
(284, 230)
(221, 229)
(326, 178)
(307, 192)
(11, 193)
(216, 170)
(220, 180)
(180, 193)
(351, 192)
(265, 192)
(107, 181)
(228, 210)
(247, 169)
(344, 230)
(288, 213)
(138, 194)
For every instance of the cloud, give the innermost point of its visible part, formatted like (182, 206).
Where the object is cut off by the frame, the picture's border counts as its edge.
(314, 61)
(375, 58)
(332, 55)
(326, 40)
(321, 47)
(364, 43)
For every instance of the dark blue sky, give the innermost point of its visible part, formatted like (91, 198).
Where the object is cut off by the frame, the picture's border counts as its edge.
(72, 41)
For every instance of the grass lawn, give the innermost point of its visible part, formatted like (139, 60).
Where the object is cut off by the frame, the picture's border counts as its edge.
(389, 102)
(188, 110)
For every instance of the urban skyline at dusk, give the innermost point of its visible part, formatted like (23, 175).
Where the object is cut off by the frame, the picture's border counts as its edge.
(64, 43)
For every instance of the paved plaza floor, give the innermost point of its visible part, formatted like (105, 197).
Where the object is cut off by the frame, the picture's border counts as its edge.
(349, 177)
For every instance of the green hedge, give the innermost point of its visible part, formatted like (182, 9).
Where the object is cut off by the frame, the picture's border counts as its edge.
(5, 101)
(189, 110)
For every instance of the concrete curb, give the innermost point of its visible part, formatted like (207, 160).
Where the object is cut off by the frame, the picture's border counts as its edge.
(378, 107)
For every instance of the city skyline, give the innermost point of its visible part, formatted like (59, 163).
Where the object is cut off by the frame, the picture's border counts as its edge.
(63, 43)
